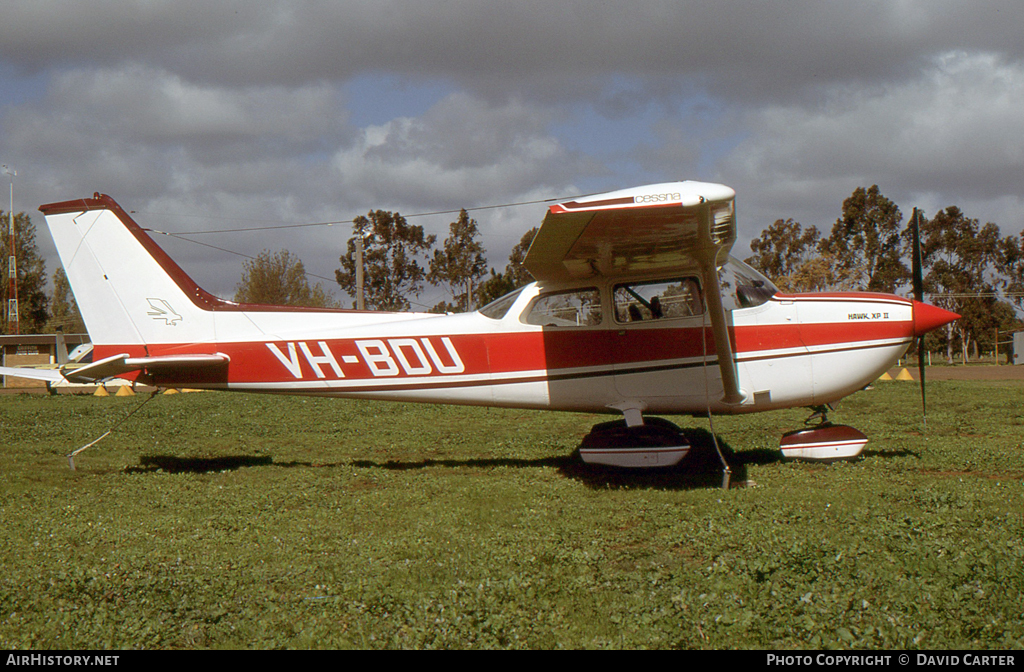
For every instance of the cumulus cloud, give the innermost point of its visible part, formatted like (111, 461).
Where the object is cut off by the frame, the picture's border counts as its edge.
(232, 112)
(462, 151)
(915, 139)
(144, 105)
(534, 47)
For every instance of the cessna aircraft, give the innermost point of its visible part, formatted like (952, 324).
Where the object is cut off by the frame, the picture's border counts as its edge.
(638, 309)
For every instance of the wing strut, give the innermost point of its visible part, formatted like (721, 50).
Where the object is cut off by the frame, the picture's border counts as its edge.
(720, 329)
(719, 323)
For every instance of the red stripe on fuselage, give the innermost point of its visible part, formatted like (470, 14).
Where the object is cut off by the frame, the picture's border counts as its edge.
(389, 360)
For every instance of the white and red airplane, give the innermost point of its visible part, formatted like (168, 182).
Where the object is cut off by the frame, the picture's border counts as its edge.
(638, 309)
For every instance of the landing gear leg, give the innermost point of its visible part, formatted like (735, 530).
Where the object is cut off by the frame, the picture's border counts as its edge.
(819, 415)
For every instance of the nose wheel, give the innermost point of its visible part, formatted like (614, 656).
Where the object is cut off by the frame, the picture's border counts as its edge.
(821, 441)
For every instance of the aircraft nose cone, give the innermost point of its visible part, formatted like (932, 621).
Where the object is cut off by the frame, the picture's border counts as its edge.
(928, 317)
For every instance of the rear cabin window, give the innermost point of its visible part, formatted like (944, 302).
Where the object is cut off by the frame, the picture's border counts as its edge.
(577, 308)
(657, 300)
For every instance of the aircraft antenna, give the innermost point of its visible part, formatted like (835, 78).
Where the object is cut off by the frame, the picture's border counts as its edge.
(71, 456)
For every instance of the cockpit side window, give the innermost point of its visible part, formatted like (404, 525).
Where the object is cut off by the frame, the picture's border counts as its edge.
(657, 300)
(742, 286)
(576, 308)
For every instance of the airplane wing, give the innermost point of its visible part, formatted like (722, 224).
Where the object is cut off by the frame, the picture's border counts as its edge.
(680, 226)
(647, 229)
(118, 365)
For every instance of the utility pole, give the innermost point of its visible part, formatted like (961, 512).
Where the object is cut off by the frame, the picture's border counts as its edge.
(12, 265)
(360, 298)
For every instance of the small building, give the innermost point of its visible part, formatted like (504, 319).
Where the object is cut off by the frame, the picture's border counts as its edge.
(35, 350)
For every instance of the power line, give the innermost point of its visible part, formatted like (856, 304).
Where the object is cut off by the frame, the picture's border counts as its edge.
(249, 256)
(255, 228)
(978, 295)
(246, 229)
(249, 229)
(224, 249)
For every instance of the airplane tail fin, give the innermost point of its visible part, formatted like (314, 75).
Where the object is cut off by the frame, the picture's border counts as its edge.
(128, 290)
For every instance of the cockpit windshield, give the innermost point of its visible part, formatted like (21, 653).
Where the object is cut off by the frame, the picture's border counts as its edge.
(743, 286)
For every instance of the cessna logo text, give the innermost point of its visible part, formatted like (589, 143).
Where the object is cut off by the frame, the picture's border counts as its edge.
(657, 198)
(383, 357)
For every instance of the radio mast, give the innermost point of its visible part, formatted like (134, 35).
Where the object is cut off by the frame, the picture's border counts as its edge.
(12, 265)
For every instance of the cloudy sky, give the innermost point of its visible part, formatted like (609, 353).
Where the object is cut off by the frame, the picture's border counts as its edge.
(204, 116)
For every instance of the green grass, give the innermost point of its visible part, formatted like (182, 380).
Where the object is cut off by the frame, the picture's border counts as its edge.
(238, 521)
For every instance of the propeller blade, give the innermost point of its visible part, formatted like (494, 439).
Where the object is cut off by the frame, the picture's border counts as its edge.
(918, 276)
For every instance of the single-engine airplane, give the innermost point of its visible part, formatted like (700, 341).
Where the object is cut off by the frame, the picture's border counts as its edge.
(638, 309)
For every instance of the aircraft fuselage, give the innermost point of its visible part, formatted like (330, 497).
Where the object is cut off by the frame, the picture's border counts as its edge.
(790, 350)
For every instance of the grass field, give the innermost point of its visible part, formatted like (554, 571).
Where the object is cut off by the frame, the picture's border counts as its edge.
(212, 520)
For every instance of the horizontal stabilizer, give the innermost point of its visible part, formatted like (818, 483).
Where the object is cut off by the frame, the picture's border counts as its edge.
(117, 365)
(50, 375)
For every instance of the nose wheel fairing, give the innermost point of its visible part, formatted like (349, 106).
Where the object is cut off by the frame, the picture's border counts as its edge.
(823, 442)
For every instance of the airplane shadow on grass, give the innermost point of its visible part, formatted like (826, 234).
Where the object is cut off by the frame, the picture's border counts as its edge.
(197, 465)
(701, 468)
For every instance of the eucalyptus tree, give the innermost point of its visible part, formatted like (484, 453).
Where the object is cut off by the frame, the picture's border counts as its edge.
(279, 278)
(867, 243)
(787, 253)
(392, 253)
(1010, 266)
(515, 274)
(460, 264)
(961, 259)
(64, 311)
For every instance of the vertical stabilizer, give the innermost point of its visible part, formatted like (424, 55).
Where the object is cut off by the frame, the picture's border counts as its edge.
(127, 288)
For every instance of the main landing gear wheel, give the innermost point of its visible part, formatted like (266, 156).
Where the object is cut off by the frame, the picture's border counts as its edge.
(656, 443)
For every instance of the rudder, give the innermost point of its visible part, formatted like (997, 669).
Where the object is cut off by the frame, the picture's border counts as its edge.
(127, 289)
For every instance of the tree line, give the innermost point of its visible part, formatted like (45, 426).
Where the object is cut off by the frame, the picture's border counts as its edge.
(399, 261)
(968, 268)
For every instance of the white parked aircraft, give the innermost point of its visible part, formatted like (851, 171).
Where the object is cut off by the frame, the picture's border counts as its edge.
(638, 309)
